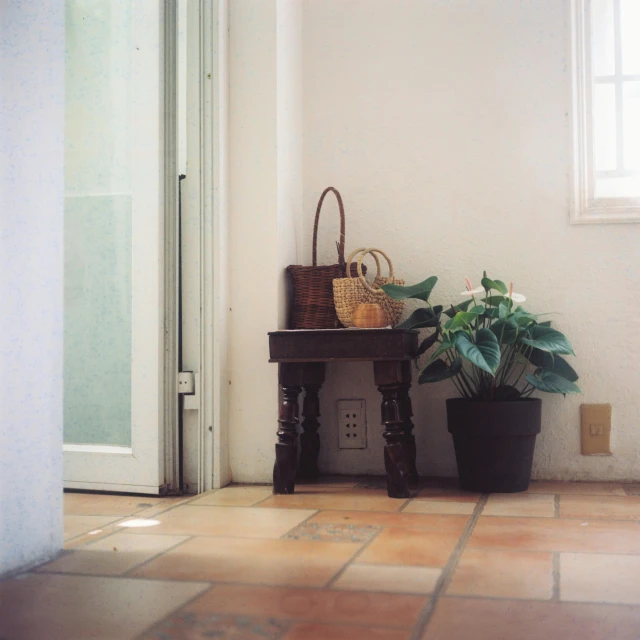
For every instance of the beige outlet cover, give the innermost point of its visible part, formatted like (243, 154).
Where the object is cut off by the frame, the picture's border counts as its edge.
(595, 421)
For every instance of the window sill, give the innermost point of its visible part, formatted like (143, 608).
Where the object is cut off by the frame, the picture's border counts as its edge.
(605, 215)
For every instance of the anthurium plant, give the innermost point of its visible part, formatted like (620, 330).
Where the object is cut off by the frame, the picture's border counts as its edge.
(488, 345)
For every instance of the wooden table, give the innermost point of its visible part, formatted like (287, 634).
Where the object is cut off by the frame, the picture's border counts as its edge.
(302, 356)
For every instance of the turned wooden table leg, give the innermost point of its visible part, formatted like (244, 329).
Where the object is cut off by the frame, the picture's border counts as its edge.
(309, 438)
(284, 470)
(313, 377)
(392, 380)
(408, 439)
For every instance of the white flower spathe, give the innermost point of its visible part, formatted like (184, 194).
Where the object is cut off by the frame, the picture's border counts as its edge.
(473, 292)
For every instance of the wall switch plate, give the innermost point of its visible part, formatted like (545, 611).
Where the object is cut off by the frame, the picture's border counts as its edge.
(352, 424)
(595, 420)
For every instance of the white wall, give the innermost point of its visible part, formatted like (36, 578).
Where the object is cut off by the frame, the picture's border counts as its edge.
(446, 127)
(31, 228)
(289, 142)
(265, 199)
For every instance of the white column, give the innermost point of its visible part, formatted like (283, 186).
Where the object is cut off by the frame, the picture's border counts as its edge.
(265, 205)
(31, 280)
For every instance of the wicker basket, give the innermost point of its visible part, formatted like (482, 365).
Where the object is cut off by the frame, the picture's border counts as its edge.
(349, 292)
(312, 300)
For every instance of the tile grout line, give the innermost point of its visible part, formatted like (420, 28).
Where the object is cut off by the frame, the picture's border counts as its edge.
(125, 574)
(236, 583)
(108, 525)
(303, 588)
(185, 604)
(448, 571)
(128, 572)
(111, 529)
(555, 560)
(259, 502)
(351, 560)
(139, 511)
(300, 524)
(590, 518)
(541, 551)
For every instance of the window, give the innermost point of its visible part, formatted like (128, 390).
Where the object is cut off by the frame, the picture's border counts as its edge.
(606, 96)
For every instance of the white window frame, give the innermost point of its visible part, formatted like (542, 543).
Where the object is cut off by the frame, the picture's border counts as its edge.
(585, 208)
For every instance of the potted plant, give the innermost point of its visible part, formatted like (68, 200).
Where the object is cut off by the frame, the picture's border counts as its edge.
(497, 354)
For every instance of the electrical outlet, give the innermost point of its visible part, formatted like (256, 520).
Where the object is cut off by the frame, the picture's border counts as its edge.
(596, 429)
(352, 424)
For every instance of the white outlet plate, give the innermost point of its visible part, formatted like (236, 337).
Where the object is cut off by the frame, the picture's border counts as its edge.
(352, 424)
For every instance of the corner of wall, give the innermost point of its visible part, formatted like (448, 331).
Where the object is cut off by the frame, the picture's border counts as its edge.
(31, 282)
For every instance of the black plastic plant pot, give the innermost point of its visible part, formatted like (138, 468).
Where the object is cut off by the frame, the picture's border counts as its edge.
(494, 443)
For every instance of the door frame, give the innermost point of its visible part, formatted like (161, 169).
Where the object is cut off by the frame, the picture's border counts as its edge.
(205, 210)
(170, 418)
(219, 291)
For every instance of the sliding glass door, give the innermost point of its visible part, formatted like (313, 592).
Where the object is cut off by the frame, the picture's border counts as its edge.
(114, 246)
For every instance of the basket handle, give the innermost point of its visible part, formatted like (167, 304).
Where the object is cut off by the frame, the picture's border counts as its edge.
(364, 253)
(373, 252)
(342, 225)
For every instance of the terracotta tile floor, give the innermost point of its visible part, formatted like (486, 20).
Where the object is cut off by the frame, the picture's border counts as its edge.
(339, 560)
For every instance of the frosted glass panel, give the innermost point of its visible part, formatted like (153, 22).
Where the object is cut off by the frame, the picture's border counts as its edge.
(631, 110)
(99, 99)
(98, 210)
(603, 37)
(628, 187)
(630, 27)
(604, 127)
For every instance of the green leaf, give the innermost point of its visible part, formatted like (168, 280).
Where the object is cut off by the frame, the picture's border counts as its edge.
(497, 285)
(463, 306)
(548, 339)
(553, 363)
(545, 324)
(493, 301)
(478, 309)
(439, 370)
(421, 291)
(502, 286)
(427, 343)
(505, 331)
(422, 318)
(461, 320)
(447, 344)
(523, 319)
(491, 313)
(552, 383)
(503, 310)
(484, 353)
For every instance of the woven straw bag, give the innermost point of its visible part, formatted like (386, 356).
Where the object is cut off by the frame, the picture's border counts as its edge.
(349, 292)
(312, 291)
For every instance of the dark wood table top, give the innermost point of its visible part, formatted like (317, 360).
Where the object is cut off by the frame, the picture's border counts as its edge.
(343, 345)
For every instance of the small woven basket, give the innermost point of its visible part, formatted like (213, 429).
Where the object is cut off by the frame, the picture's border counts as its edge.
(312, 304)
(349, 292)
